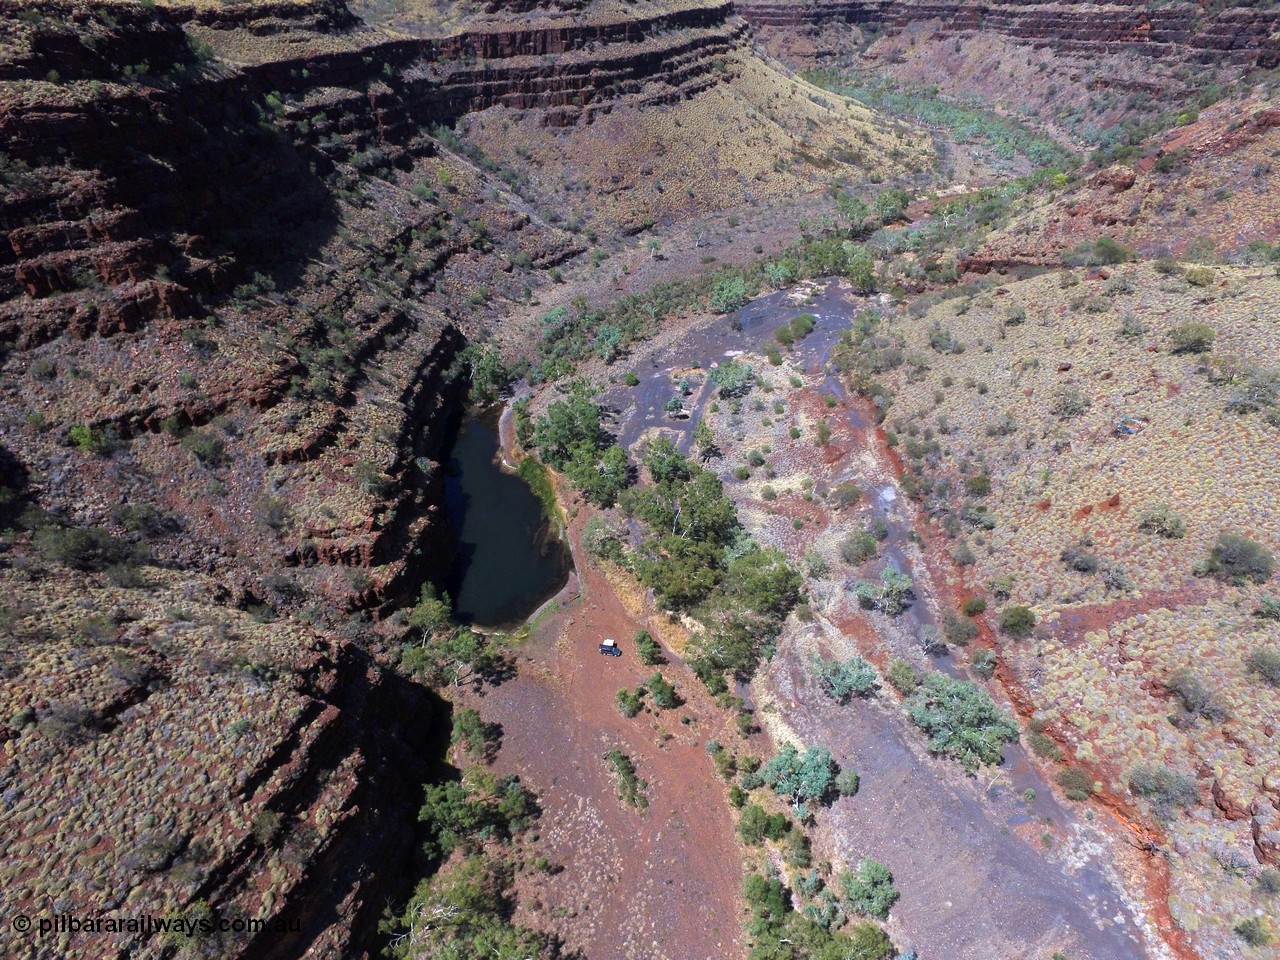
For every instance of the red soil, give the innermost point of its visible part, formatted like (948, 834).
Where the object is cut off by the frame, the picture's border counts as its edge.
(625, 883)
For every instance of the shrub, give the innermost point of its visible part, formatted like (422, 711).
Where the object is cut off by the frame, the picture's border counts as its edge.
(958, 630)
(1163, 521)
(961, 720)
(983, 664)
(1237, 559)
(846, 494)
(664, 694)
(1252, 932)
(1165, 790)
(847, 783)
(816, 565)
(1265, 662)
(1044, 746)
(858, 548)
(1198, 276)
(631, 788)
(647, 649)
(629, 703)
(100, 442)
(974, 606)
(903, 677)
(1017, 621)
(1191, 338)
(756, 825)
(205, 446)
(889, 596)
(88, 550)
(630, 379)
(1269, 882)
(1077, 784)
(978, 486)
(841, 679)
(267, 827)
(1195, 697)
(868, 889)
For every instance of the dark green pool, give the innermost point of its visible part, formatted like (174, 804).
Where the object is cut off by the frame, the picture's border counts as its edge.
(509, 559)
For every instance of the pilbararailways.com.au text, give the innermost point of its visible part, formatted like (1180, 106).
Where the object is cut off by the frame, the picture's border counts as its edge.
(195, 926)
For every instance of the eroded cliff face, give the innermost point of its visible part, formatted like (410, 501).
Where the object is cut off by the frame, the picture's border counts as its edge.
(1242, 34)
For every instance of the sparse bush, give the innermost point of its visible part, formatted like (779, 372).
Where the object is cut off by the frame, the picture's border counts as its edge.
(1237, 559)
(1191, 338)
(1017, 621)
(868, 889)
(1078, 558)
(1265, 662)
(1252, 932)
(89, 550)
(857, 548)
(205, 446)
(1075, 782)
(1195, 697)
(889, 596)
(1069, 402)
(842, 679)
(1166, 791)
(647, 649)
(1163, 521)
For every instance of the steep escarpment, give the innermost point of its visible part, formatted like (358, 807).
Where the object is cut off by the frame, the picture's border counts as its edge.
(1242, 33)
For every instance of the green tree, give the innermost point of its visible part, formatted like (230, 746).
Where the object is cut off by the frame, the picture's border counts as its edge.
(451, 657)
(860, 268)
(569, 424)
(601, 476)
(842, 679)
(801, 777)
(868, 889)
(704, 440)
(478, 738)
(664, 694)
(961, 720)
(480, 807)
(647, 649)
(889, 596)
